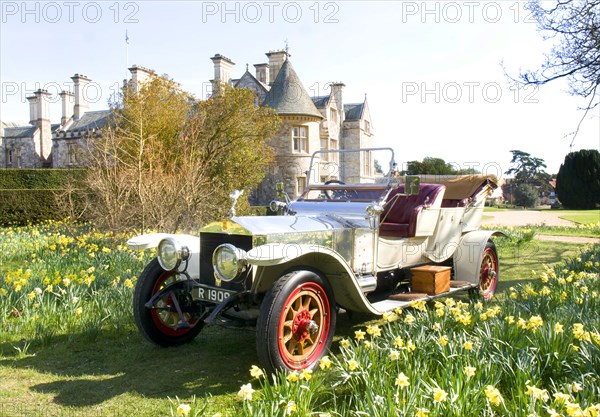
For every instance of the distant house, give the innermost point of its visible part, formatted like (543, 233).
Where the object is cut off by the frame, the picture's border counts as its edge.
(309, 123)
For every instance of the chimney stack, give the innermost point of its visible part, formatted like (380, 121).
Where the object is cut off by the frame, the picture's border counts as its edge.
(262, 73)
(139, 75)
(223, 69)
(276, 60)
(67, 100)
(40, 117)
(336, 91)
(81, 104)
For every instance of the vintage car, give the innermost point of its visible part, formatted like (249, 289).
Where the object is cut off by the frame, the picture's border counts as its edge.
(348, 242)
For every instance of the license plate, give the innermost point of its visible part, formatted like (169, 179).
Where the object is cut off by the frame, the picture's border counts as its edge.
(212, 294)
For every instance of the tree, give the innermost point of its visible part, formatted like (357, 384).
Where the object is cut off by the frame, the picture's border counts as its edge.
(527, 169)
(578, 180)
(434, 166)
(526, 195)
(166, 162)
(575, 27)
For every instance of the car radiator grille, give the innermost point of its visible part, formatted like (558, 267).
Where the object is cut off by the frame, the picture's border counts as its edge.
(208, 244)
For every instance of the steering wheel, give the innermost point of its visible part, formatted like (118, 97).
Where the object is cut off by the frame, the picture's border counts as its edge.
(338, 194)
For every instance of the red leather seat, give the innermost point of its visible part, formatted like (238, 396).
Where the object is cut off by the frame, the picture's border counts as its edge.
(399, 218)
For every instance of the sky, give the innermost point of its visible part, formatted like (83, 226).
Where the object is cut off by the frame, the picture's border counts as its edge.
(434, 73)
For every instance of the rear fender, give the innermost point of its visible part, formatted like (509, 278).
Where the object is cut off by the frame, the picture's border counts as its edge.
(467, 257)
(274, 260)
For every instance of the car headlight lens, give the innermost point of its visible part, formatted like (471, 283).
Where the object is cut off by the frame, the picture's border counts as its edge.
(228, 262)
(171, 253)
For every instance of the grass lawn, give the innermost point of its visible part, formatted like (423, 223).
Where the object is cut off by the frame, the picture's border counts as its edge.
(580, 216)
(113, 371)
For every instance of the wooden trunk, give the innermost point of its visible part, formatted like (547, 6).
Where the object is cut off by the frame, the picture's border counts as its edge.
(430, 279)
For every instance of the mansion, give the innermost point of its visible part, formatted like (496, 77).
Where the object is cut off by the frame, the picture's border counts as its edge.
(309, 124)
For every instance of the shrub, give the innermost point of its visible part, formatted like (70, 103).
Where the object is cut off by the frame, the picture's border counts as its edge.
(33, 195)
(578, 180)
(526, 195)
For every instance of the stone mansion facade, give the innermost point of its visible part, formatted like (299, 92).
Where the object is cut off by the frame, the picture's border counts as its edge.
(309, 124)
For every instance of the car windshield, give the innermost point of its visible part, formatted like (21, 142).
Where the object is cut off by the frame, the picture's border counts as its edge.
(349, 175)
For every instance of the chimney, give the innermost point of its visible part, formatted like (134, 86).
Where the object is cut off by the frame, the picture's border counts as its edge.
(336, 91)
(81, 105)
(33, 109)
(40, 101)
(223, 68)
(67, 100)
(262, 73)
(139, 75)
(276, 60)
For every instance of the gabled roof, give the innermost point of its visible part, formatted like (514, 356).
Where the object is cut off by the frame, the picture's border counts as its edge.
(248, 75)
(321, 101)
(19, 131)
(288, 96)
(90, 120)
(354, 111)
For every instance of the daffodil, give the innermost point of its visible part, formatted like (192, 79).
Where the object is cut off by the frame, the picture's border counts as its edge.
(439, 395)
(245, 392)
(256, 372)
(374, 330)
(359, 335)
(402, 380)
(469, 371)
(325, 363)
(394, 355)
(493, 395)
(468, 345)
(292, 376)
(352, 365)
(183, 410)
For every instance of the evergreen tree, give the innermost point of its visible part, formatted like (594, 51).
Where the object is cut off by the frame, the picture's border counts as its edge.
(578, 180)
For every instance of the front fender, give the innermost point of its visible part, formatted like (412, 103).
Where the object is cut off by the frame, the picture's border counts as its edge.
(151, 240)
(467, 257)
(274, 260)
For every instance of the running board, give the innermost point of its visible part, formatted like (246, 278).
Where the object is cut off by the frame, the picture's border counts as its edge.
(389, 305)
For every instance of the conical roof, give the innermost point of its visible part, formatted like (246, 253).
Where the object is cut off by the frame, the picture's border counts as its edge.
(288, 96)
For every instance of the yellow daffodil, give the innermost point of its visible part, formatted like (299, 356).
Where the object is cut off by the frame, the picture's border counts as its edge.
(292, 376)
(325, 363)
(402, 380)
(439, 395)
(183, 410)
(469, 371)
(359, 335)
(256, 372)
(352, 365)
(493, 395)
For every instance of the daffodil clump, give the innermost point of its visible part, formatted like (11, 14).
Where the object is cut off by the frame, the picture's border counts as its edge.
(61, 278)
(534, 352)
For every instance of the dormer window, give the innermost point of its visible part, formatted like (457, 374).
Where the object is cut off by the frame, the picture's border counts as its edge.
(300, 139)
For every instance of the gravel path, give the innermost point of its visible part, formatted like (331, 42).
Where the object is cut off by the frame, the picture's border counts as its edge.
(532, 217)
(524, 218)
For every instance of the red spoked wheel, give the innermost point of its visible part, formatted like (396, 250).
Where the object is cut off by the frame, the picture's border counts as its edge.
(161, 323)
(489, 271)
(296, 323)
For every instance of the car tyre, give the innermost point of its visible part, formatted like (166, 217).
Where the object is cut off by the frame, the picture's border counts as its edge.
(160, 326)
(296, 323)
(489, 271)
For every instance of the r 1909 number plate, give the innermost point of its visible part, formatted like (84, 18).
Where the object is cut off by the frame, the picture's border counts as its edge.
(212, 294)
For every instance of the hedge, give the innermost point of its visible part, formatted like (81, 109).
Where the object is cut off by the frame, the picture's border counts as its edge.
(30, 195)
(38, 179)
